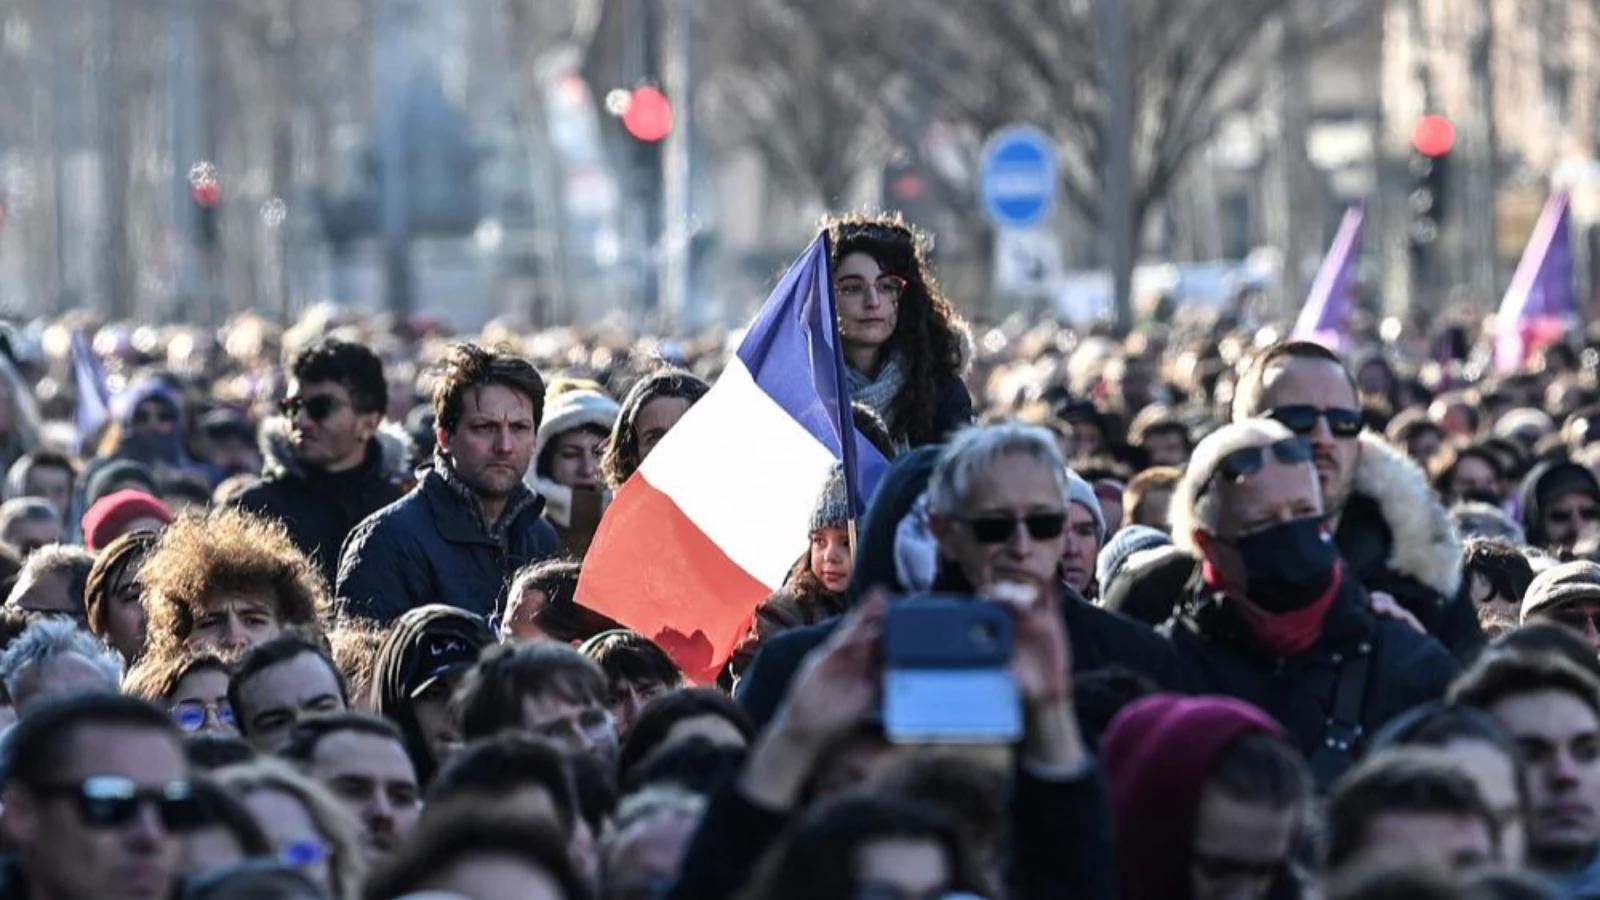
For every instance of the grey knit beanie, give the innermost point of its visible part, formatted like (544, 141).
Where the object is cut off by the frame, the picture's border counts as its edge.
(1082, 493)
(833, 506)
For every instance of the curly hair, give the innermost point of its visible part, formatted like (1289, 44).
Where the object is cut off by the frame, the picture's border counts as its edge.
(110, 563)
(469, 367)
(927, 332)
(154, 678)
(355, 643)
(229, 550)
(622, 458)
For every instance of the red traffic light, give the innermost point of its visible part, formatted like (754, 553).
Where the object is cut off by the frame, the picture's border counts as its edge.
(649, 115)
(1433, 136)
(207, 193)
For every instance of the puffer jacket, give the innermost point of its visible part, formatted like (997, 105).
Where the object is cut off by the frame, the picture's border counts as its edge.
(319, 508)
(432, 546)
(1219, 654)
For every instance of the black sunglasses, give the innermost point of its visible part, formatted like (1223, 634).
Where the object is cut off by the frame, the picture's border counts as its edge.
(998, 529)
(1248, 461)
(318, 408)
(1302, 420)
(111, 801)
(1568, 516)
(161, 416)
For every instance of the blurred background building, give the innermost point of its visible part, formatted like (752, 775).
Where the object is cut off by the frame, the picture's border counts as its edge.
(657, 162)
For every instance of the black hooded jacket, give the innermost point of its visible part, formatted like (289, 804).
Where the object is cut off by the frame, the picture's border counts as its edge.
(320, 508)
(398, 670)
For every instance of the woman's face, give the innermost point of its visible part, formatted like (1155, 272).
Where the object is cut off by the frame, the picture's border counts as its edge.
(627, 698)
(868, 299)
(200, 703)
(575, 458)
(902, 867)
(830, 558)
(519, 622)
(436, 718)
(655, 419)
(1484, 596)
(293, 834)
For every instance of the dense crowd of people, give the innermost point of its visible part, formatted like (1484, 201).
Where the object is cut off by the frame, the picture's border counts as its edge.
(300, 620)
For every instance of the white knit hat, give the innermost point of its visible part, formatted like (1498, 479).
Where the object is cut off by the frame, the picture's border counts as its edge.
(573, 409)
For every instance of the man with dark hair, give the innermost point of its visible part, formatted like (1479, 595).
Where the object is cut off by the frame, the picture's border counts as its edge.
(544, 689)
(1162, 436)
(362, 759)
(1552, 707)
(471, 853)
(278, 683)
(1391, 529)
(46, 474)
(1498, 575)
(514, 775)
(97, 802)
(1410, 807)
(327, 473)
(1208, 794)
(471, 522)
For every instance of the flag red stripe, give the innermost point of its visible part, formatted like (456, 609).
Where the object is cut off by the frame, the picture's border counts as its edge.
(683, 576)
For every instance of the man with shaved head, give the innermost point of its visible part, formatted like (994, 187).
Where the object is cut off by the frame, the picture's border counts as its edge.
(1273, 617)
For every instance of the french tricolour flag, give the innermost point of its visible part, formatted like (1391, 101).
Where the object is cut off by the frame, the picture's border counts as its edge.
(718, 513)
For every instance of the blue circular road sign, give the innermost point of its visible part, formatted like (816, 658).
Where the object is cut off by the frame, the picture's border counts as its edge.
(1017, 178)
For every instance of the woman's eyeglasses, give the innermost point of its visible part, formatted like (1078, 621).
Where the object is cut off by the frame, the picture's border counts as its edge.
(191, 715)
(316, 408)
(854, 287)
(111, 801)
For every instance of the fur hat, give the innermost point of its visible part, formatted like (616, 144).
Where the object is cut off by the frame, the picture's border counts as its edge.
(833, 505)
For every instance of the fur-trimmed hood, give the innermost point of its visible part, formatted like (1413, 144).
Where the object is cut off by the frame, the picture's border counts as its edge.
(1425, 545)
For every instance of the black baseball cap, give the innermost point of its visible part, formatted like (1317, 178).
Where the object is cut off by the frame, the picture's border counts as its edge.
(440, 654)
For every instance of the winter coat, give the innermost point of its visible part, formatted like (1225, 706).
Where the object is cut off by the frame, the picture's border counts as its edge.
(1395, 536)
(793, 606)
(1219, 654)
(432, 546)
(319, 508)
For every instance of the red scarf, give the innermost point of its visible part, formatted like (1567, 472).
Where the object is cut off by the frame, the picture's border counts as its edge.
(1284, 633)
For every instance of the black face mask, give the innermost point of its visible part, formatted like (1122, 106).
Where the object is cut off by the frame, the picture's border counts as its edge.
(1289, 565)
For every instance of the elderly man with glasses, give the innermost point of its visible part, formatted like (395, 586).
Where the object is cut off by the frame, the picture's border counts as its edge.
(1274, 616)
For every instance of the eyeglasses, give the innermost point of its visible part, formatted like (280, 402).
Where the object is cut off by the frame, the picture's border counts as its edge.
(854, 287)
(316, 408)
(111, 801)
(999, 529)
(304, 854)
(1248, 461)
(1302, 420)
(155, 416)
(191, 715)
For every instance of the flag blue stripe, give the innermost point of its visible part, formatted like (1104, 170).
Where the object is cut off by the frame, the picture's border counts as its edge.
(792, 352)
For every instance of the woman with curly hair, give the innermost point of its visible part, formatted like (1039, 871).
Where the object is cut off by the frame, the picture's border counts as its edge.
(654, 404)
(904, 347)
(227, 582)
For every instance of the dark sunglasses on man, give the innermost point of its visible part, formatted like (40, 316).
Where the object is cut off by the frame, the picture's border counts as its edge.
(1577, 618)
(1247, 461)
(1568, 516)
(998, 529)
(317, 408)
(1302, 420)
(155, 416)
(111, 801)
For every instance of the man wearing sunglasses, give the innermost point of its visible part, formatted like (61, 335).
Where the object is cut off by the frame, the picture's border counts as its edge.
(1390, 528)
(1273, 616)
(327, 472)
(1560, 505)
(98, 802)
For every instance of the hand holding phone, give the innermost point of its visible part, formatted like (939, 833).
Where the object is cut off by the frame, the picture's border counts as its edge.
(946, 672)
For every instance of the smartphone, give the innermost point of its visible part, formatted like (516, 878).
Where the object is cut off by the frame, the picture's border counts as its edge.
(946, 672)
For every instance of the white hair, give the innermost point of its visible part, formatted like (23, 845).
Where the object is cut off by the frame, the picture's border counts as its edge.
(1193, 511)
(974, 449)
(50, 639)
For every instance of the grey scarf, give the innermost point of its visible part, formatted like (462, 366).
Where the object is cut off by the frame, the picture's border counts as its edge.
(879, 393)
(520, 500)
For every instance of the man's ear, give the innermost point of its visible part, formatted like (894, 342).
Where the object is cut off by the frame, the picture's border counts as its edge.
(367, 424)
(441, 438)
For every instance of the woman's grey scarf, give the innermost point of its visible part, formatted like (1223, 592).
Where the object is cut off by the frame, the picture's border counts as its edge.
(879, 393)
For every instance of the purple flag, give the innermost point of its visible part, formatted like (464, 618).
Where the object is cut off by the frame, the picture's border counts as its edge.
(1325, 319)
(1541, 303)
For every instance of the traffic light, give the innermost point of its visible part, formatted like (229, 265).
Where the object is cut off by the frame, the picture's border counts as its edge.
(646, 113)
(207, 195)
(1431, 142)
